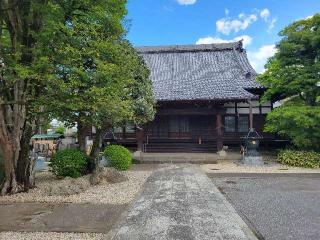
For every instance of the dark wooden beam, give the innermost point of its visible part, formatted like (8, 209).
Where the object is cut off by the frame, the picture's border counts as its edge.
(236, 108)
(219, 126)
(250, 114)
(175, 111)
(260, 109)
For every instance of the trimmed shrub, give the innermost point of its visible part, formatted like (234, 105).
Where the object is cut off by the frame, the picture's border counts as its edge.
(307, 159)
(68, 163)
(118, 156)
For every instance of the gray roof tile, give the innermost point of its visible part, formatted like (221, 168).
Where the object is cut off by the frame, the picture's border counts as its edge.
(200, 72)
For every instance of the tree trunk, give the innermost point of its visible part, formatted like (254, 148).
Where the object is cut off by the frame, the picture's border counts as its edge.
(81, 134)
(12, 120)
(98, 140)
(96, 148)
(20, 18)
(10, 184)
(24, 165)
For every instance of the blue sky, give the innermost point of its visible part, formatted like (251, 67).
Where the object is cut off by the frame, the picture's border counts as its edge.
(167, 22)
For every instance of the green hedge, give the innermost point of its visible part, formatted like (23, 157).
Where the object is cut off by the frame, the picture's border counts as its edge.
(68, 163)
(307, 159)
(118, 156)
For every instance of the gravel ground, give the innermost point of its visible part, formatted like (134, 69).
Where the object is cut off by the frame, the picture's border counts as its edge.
(276, 207)
(117, 193)
(51, 236)
(106, 193)
(236, 167)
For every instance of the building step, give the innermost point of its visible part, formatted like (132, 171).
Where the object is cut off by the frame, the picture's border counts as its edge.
(187, 157)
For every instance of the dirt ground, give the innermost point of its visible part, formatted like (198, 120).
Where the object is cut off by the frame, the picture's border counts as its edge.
(43, 217)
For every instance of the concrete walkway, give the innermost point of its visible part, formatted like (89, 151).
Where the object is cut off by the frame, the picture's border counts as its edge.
(181, 202)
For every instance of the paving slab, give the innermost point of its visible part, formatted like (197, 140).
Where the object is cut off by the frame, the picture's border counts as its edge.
(181, 202)
(41, 217)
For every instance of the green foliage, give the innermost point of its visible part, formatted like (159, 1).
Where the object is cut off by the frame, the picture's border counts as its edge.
(307, 159)
(19, 51)
(97, 78)
(87, 83)
(293, 74)
(142, 99)
(118, 156)
(294, 70)
(68, 163)
(300, 123)
(60, 129)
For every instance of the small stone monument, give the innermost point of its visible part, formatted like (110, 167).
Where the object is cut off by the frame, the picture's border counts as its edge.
(223, 153)
(251, 156)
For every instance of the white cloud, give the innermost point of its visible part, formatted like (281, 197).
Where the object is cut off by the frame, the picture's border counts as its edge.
(228, 25)
(186, 2)
(264, 14)
(209, 40)
(259, 58)
(271, 24)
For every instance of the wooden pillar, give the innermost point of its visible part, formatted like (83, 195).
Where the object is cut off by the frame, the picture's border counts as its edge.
(219, 131)
(140, 138)
(250, 115)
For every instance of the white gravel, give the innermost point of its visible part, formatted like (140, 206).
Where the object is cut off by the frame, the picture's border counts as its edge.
(50, 236)
(234, 167)
(106, 193)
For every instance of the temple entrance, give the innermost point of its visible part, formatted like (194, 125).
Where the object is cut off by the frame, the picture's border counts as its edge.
(182, 127)
(179, 127)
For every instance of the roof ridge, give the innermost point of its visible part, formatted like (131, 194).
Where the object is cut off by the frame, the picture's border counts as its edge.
(192, 47)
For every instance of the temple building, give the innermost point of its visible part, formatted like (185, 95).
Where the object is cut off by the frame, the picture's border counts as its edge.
(207, 96)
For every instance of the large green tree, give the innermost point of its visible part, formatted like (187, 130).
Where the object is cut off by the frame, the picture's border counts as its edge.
(20, 22)
(293, 74)
(97, 78)
(67, 59)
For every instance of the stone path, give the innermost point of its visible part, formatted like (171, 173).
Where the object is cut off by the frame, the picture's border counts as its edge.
(181, 202)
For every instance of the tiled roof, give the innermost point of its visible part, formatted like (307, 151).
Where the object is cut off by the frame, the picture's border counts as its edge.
(200, 72)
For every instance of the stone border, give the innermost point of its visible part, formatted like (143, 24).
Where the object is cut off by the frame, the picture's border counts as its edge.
(261, 175)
